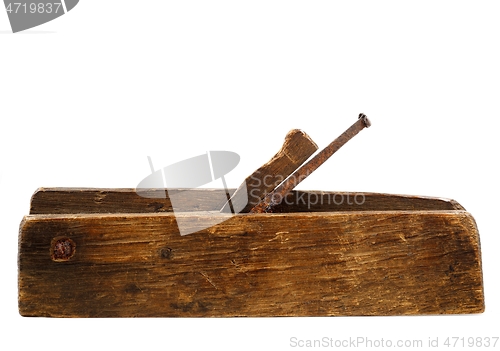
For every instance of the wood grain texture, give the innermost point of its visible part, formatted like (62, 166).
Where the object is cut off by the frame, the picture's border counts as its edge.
(296, 149)
(294, 264)
(90, 200)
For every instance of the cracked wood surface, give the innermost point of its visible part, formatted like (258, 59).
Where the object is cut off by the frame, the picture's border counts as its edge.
(422, 256)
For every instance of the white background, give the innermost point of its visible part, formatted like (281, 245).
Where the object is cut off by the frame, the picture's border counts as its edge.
(85, 98)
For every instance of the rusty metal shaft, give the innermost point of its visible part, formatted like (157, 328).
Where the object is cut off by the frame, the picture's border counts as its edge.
(277, 195)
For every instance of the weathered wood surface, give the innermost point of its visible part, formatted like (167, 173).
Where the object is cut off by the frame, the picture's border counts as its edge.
(296, 149)
(382, 262)
(89, 200)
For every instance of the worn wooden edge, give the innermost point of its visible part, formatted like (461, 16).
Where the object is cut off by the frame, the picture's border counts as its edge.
(126, 200)
(469, 221)
(211, 214)
(233, 230)
(456, 205)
